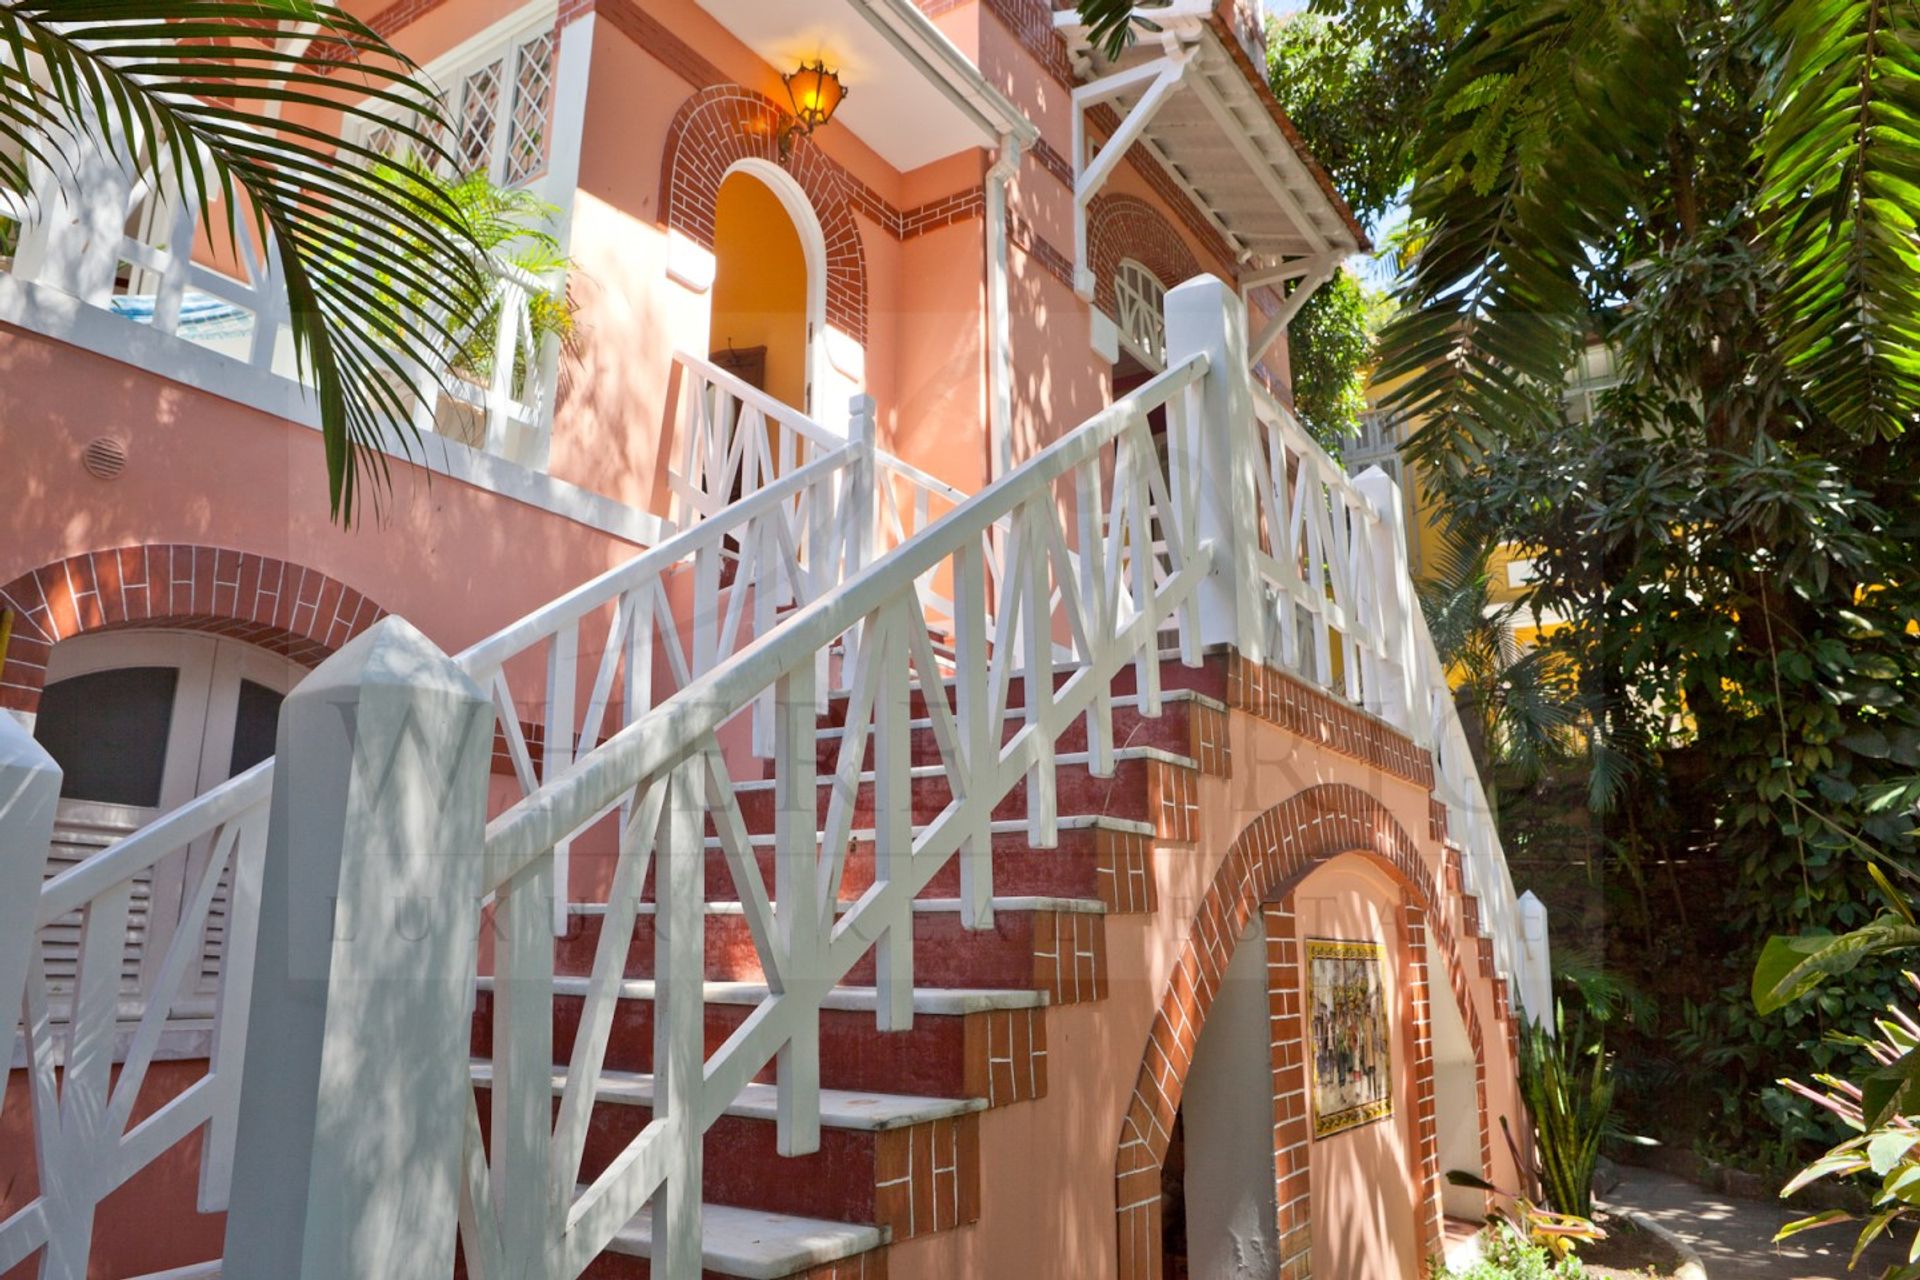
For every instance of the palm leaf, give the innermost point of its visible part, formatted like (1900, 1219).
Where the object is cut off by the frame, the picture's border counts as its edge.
(375, 267)
(1839, 189)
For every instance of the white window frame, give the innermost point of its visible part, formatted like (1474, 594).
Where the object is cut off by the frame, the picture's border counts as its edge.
(1140, 306)
(500, 41)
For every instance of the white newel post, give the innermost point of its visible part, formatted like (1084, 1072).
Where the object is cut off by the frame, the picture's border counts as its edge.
(1536, 962)
(29, 790)
(1214, 462)
(1391, 693)
(353, 1107)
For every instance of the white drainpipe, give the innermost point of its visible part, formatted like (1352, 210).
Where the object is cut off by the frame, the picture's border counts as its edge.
(1000, 353)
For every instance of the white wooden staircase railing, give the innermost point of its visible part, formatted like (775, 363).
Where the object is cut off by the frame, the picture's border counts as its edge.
(1026, 599)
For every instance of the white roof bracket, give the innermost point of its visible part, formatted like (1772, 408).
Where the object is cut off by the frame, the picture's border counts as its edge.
(1161, 76)
(1312, 273)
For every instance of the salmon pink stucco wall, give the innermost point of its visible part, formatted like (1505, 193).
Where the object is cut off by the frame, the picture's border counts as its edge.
(1048, 1189)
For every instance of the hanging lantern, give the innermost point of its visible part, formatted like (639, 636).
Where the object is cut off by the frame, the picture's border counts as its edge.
(816, 93)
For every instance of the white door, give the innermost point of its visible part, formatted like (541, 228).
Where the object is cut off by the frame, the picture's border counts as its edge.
(140, 723)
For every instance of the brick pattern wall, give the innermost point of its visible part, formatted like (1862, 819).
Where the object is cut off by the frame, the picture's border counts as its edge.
(871, 1265)
(1125, 860)
(1279, 698)
(725, 123)
(1123, 226)
(283, 607)
(1275, 852)
(927, 1176)
(1070, 956)
(1173, 798)
(1006, 1055)
(1292, 1125)
(1418, 1000)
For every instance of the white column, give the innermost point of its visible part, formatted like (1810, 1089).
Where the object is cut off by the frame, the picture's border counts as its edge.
(29, 789)
(352, 1110)
(1215, 462)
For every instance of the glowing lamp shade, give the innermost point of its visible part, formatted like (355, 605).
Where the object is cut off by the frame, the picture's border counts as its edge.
(816, 94)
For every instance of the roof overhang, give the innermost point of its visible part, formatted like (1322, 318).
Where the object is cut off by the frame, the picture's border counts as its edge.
(1189, 95)
(912, 96)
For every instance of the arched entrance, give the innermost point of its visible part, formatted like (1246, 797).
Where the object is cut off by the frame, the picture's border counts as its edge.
(1256, 880)
(769, 286)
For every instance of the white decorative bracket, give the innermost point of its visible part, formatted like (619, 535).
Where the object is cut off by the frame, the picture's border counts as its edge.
(1308, 274)
(1161, 77)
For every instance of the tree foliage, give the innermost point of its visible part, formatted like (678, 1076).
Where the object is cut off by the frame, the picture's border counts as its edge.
(250, 105)
(1329, 349)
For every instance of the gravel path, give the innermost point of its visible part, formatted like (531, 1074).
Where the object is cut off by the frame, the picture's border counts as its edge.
(1733, 1235)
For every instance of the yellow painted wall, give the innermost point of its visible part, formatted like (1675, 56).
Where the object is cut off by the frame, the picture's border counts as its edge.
(760, 283)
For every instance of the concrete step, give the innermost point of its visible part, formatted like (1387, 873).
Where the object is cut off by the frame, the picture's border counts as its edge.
(908, 1165)
(746, 1244)
(1054, 945)
(978, 1043)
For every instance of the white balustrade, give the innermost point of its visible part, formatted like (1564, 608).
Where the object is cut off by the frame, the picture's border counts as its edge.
(120, 242)
(524, 1212)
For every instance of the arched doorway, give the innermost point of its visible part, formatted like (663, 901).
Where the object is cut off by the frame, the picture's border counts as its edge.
(140, 722)
(769, 286)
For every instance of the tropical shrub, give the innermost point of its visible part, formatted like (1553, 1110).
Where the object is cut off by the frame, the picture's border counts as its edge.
(1510, 1256)
(1567, 1083)
(1885, 1142)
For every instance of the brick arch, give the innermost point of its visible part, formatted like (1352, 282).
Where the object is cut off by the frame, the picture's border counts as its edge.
(1269, 858)
(1123, 226)
(718, 126)
(284, 607)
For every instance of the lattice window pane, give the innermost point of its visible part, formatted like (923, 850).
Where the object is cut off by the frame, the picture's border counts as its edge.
(479, 117)
(532, 94)
(1140, 299)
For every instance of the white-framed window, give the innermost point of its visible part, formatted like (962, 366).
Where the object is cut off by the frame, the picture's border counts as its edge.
(496, 92)
(1593, 373)
(1141, 301)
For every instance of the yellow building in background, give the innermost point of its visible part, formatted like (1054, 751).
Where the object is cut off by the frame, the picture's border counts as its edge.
(1382, 438)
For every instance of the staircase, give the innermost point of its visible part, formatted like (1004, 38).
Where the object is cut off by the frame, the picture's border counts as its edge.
(899, 1153)
(868, 765)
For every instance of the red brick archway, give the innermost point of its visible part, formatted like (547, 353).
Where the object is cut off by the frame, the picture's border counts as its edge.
(726, 123)
(1272, 855)
(287, 608)
(1123, 226)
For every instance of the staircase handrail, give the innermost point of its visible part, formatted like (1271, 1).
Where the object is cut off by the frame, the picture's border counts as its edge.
(665, 774)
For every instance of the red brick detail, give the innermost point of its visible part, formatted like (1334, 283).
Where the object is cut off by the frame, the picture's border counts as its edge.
(1005, 1052)
(1280, 698)
(1173, 801)
(1417, 996)
(1125, 859)
(725, 123)
(1274, 853)
(1209, 743)
(962, 206)
(1022, 236)
(1070, 956)
(1123, 226)
(1292, 1134)
(283, 607)
(652, 35)
(927, 1176)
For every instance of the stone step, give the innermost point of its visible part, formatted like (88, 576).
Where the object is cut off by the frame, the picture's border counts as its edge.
(1055, 945)
(908, 1165)
(749, 1244)
(978, 1043)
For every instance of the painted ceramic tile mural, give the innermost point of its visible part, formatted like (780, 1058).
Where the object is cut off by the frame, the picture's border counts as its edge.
(1347, 1035)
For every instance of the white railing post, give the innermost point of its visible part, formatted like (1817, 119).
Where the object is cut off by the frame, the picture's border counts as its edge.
(353, 1107)
(29, 790)
(1536, 973)
(1392, 696)
(860, 512)
(1214, 463)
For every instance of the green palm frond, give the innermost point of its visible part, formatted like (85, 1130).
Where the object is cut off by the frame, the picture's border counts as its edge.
(1517, 182)
(1109, 24)
(252, 104)
(1839, 195)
